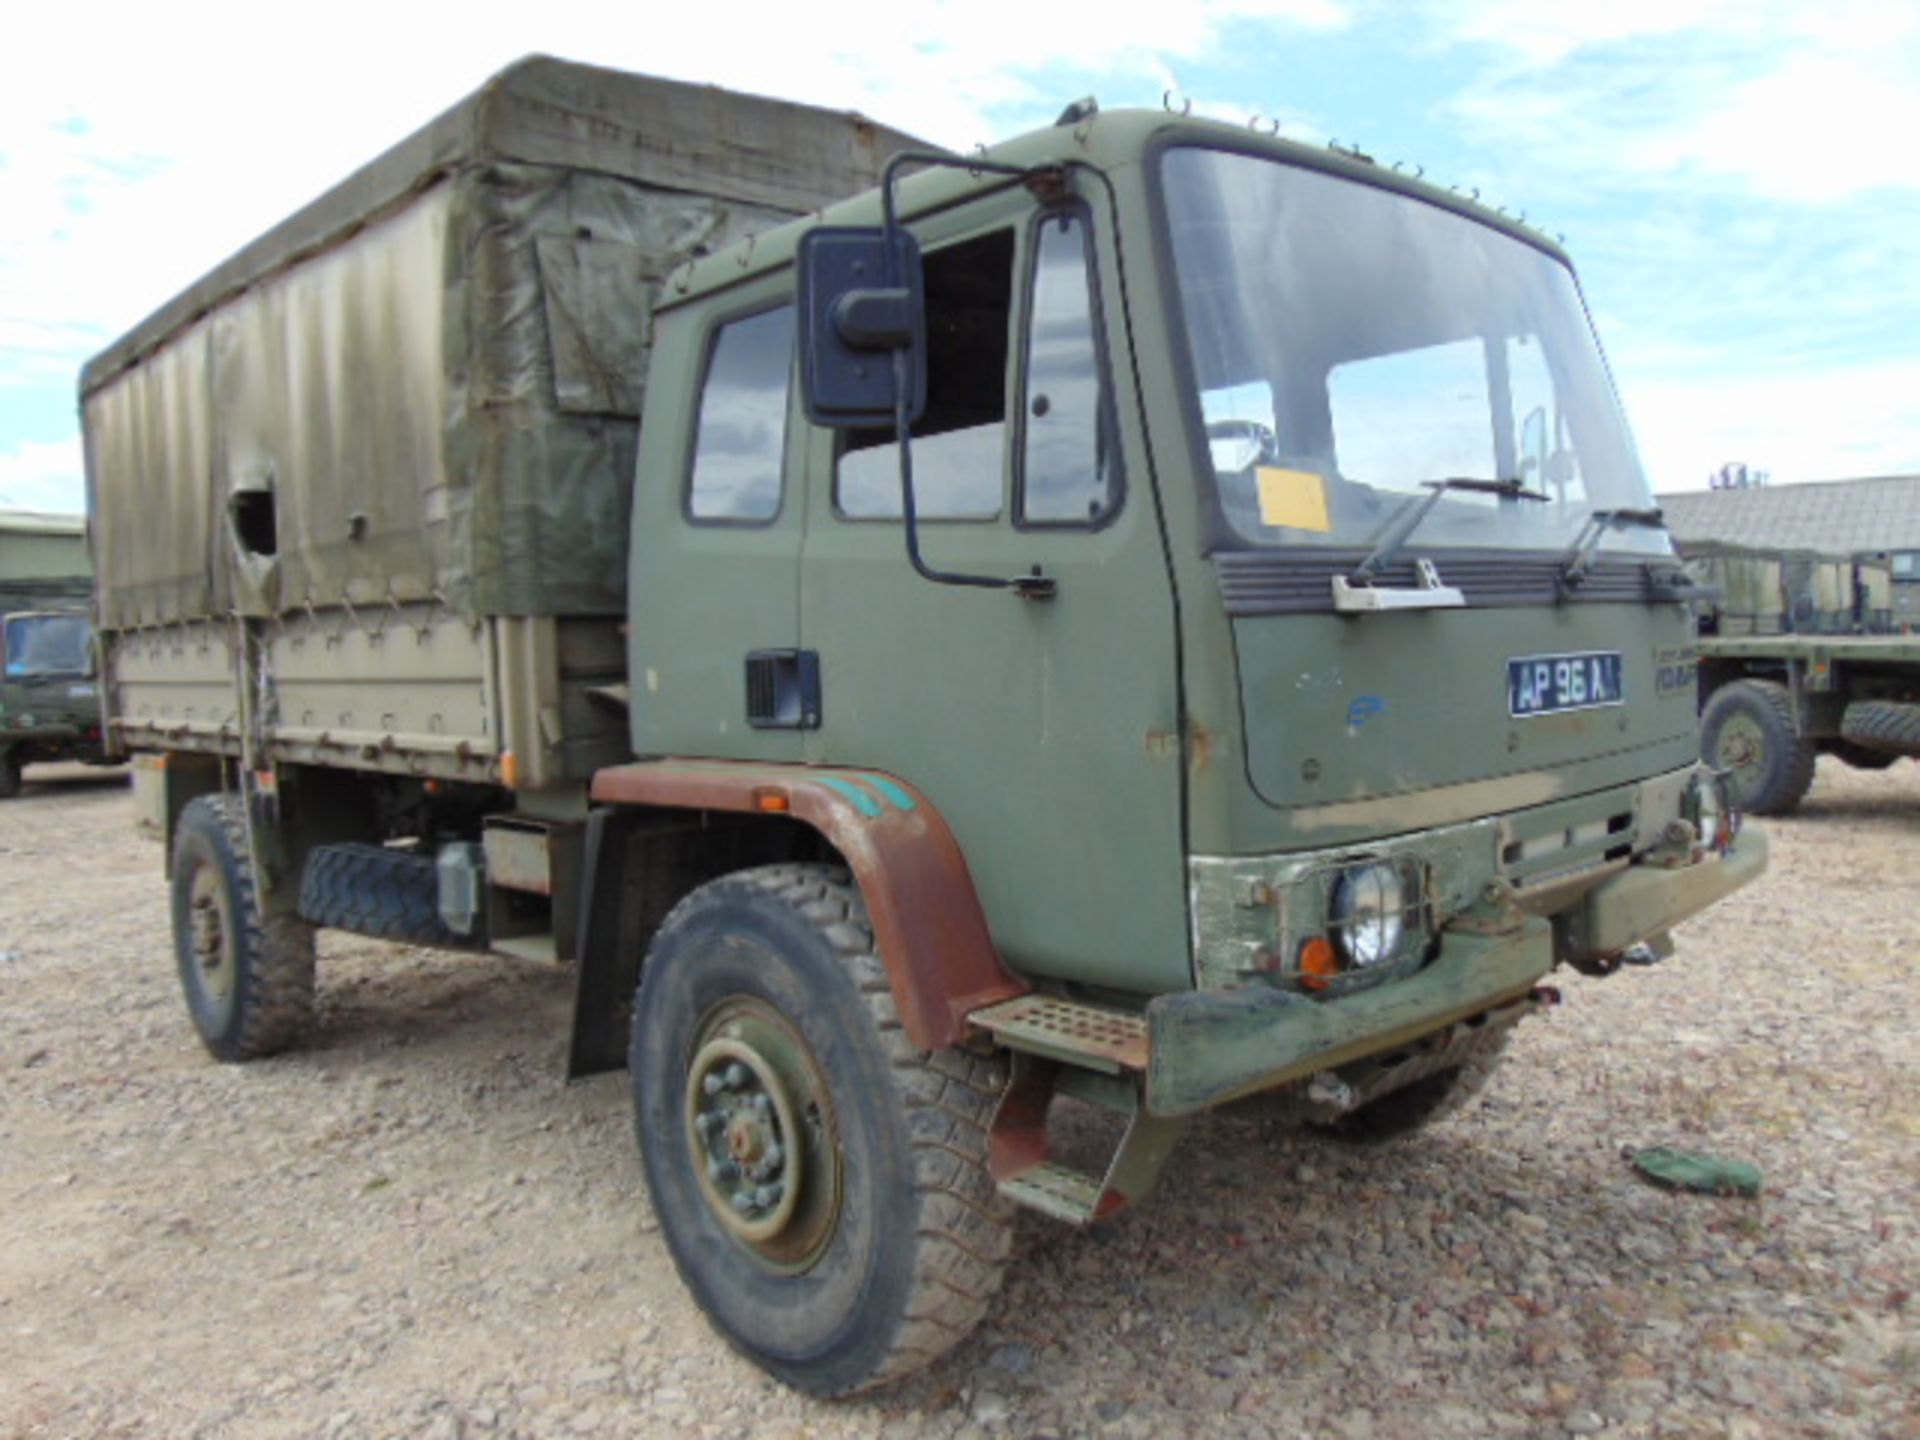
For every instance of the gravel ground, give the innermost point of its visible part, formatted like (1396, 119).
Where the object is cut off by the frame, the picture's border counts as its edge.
(412, 1228)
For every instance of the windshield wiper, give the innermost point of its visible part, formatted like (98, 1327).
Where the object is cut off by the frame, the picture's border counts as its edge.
(1578, 561)
(1408, 518)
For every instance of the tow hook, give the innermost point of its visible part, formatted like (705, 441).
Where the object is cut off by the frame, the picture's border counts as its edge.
(1329, 1090)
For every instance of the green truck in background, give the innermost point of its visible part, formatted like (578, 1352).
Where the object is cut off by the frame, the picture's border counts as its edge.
(1151, 613)
(49, 704)
(1801, 655)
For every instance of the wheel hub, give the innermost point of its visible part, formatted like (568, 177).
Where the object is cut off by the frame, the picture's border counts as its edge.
(1739, 744)
(758, 1127)
(209, 934)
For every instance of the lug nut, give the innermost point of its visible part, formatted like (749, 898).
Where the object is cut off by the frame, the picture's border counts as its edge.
(736, 1076)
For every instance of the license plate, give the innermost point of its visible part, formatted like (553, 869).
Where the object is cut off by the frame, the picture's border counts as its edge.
(1549, 684)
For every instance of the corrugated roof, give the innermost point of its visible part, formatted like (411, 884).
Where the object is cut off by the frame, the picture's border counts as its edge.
(1836, 517)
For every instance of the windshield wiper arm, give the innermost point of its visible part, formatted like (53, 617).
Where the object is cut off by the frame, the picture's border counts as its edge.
(1579, 557)
(1408, 517)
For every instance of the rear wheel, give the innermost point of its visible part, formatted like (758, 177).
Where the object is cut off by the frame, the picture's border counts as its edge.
(1748, 731)
(247, 976)
(821, 1184)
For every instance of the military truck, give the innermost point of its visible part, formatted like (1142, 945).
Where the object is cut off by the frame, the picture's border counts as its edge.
(1151, 614)
(1802, 655)
(49, 707)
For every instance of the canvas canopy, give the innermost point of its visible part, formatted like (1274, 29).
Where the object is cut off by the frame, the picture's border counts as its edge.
(1774, 592)
(426, 384)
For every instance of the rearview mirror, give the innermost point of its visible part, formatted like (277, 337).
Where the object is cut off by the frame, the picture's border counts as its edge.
(1533, 444)
(862, 309)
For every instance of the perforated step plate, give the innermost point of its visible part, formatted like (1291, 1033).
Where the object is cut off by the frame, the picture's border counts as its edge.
(1086, 1035)
(1055, 1190)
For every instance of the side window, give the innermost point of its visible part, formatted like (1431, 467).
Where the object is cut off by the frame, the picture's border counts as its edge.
(1068, 464)
(959, 444)
(741, 437)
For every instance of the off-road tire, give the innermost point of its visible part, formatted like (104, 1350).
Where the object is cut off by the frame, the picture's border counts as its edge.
(1415, 1106)
(9, 775)
(917, 1243)
(1884, 727)
(372, 890)
(265, 962)
(1859, 757)
(1749, 731)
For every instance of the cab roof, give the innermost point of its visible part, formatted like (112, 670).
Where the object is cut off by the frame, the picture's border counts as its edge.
(1109, 141)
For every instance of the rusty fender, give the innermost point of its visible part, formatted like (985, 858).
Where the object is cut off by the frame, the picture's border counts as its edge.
(927, 922)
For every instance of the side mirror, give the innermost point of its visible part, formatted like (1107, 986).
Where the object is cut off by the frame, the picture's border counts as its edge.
(862, 307)
(1533, 444)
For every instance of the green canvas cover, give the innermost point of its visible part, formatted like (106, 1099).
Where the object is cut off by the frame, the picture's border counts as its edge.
(1779, 592)
(431, 377)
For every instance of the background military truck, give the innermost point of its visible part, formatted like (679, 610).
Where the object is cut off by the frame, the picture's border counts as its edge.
(1035, 641)
(1802, 655)
(49, 707)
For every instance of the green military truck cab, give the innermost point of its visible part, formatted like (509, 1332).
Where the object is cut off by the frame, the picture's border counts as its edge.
(1279, 694)
(49, 706)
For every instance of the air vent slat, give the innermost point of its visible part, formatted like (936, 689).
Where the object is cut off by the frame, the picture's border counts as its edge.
(1301, 582)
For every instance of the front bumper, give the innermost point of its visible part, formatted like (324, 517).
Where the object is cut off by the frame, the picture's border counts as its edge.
(1207, 1047)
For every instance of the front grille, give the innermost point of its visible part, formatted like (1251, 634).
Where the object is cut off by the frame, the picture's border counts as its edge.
(1301, 582)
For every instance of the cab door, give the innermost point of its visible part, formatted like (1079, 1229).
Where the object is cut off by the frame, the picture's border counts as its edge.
(1044, 730)
(714, 567)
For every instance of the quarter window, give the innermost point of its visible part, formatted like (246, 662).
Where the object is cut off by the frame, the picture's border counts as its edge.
(741, 437)
(1068, 474)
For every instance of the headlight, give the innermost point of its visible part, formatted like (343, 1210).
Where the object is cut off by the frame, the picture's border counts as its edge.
(1367, 914)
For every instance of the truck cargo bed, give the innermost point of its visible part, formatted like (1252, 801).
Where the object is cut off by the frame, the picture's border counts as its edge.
(335, 484)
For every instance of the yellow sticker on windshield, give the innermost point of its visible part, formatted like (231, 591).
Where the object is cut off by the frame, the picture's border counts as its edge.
(1294, 498)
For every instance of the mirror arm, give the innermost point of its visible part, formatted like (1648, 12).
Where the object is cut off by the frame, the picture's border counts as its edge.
(1029, 587)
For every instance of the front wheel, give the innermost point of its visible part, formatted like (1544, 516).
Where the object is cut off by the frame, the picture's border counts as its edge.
(1748, 730)
(9, 774)
(821, 1184)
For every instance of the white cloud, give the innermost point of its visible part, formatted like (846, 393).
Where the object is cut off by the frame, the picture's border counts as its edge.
(40, 475)
(1849, 421)
(1799, 103)
(128, 169)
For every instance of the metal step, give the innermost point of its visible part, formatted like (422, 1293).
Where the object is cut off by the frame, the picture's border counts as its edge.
(1057, 1191)
(1017, 1149)
(1090, 1036)
(527, 947)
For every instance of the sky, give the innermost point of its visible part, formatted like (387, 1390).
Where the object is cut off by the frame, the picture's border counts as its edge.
(1738, 180)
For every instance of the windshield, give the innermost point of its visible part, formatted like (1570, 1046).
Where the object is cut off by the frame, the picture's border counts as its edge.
(47, 645)
(1351, 345)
